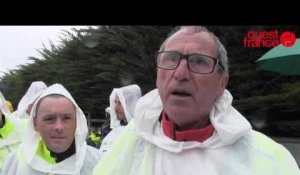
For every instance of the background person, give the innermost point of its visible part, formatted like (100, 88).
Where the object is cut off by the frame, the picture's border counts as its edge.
(26, 102)
(10, 131)
(122, 105)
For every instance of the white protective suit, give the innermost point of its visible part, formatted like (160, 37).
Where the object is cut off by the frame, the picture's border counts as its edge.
(128, 96)
(233, 149)
(32, 94)
(13, 129)
(25, 161)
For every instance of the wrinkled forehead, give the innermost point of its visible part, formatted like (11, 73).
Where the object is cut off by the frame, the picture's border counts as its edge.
(201, 42)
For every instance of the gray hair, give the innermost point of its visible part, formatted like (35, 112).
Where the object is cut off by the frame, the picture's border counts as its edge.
(222, 53)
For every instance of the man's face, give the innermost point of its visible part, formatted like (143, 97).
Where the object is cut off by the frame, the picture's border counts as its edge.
(55, 120)
(119, 109)
(188, 97)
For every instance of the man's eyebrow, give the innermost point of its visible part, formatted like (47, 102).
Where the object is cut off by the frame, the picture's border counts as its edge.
(70, 114)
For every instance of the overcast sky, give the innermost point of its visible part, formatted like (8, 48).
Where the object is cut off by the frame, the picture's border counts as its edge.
(17, 43)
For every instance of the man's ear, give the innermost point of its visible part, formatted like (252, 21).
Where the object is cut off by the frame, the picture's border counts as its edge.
(222, 84)
(35, 123)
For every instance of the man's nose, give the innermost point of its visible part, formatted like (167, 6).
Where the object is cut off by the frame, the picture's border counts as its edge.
(182, 72)
(58, 125)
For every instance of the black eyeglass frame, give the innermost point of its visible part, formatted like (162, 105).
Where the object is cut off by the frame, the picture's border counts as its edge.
(186, 57)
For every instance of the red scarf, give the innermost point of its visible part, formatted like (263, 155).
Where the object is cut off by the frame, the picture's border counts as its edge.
(198, 135)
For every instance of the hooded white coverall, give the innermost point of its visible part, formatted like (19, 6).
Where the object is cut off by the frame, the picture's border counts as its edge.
(233, 149)
(12, 130)
(32, 94)
(25, 161)
(128, 96)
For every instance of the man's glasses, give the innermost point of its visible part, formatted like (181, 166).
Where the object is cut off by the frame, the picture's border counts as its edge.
(197, 63)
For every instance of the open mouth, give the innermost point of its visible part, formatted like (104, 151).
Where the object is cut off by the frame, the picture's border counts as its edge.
(58, 138)
(181, 93)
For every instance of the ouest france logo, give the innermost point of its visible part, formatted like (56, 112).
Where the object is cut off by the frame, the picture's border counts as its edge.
(269, 39)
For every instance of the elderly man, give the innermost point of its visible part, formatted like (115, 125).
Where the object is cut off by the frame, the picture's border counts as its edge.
(188, 125)
(55, 140)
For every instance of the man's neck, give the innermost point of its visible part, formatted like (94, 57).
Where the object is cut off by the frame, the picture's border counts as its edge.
(196, 125)
(62, 156)
(170, 129)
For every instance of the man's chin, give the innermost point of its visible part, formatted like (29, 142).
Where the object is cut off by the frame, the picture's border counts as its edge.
(58, 149)
(176, 111)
